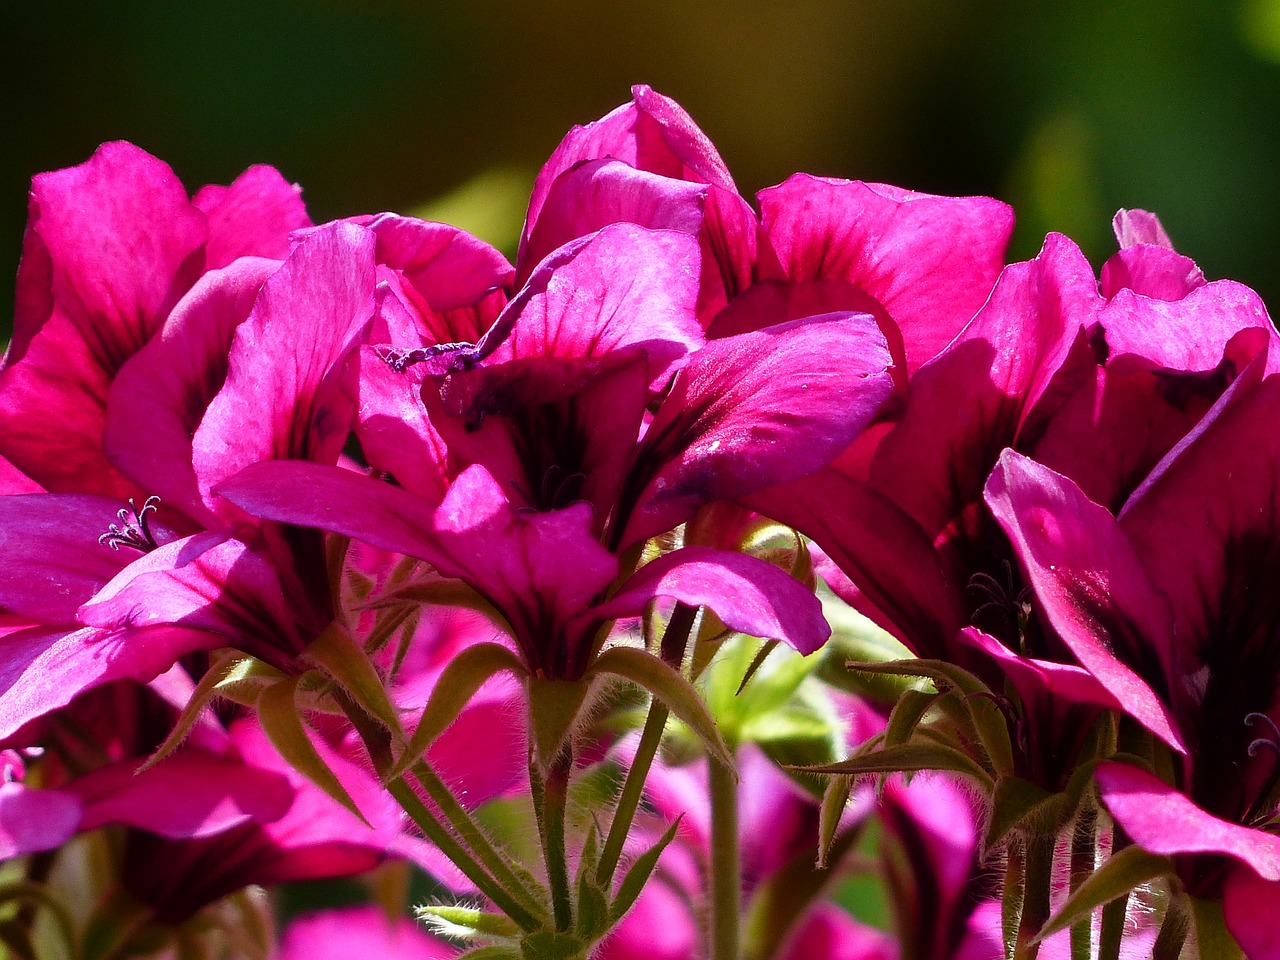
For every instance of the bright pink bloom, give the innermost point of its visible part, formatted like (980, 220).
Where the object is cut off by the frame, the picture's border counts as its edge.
(360, 932)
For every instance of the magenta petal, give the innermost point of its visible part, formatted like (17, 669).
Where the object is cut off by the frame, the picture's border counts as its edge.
(1152, 271)
(623, 286)
(1034, 677)
(1133, 227)
(829, 933)
(659, 927)
(652, 133)
(591, 196)
(1090, 584)
(759, 409)
(190, 794)
(359, 932)
(110, 246)
(53, 560)
(32, 820)
(750, 595)
(45, 669)
(160, 395)
(1249, 907)
(207, 582)
(453, 280)
(253, 217)
(929, 261)
(1163, 821)
(1190, 333)
(283, 396)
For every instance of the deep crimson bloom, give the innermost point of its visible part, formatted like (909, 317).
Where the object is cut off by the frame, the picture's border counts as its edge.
(1168, 603)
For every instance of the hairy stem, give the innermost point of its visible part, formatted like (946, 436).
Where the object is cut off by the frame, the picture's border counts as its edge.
(674, 642)
(1083, 860)
(726, 866)
(553, 793)
(1036, 880)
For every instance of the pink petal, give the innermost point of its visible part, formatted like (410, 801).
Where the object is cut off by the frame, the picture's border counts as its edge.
(623, 286)
(359, 931)
(1249, 905)
(1091, 586)
(1133, 227)
(829, 933)
(750, 595)
(32, 820)
(110, 246)
(190, 794)
(253, 217)
(759, 409)
(929, 261)
(1152, 271)
(652, 133)
(160, 395)
(1163, 821)
(283, 395)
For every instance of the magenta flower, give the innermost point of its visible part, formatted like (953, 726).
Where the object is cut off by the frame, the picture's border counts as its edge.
(359, 931)
(111, 246)
(546, 453)
(1171, 618)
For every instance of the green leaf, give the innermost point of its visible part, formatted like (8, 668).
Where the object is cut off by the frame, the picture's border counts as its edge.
(647, 671)
(467, 922)
(246, 678)
(339, 656)
(1121, 873)
(278, 714)
(45, 898)
(1212, 936)
(638, 874)
(206, 690)
(910, 756)
(457, 684)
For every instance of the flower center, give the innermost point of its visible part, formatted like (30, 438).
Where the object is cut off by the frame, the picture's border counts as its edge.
(134, 528)
(1002, 610)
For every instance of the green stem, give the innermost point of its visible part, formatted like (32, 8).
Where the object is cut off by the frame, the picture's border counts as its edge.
(1036, 881)
(474, 837)
(1083, 861)
(675, 640)
(726, 866)
(435, 831)
(553, 792)
(1113, 913)
(1174, 929)
(1011, 900)
(1213, 938)
(377, 743)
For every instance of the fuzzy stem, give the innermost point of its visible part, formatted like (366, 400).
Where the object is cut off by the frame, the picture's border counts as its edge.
(1174, 930)
(474, 837)
(1036, 881)
(553, 794)
(675, 640)
(1083, 861)
(1113, 913)
(377, 743)
(726, 866)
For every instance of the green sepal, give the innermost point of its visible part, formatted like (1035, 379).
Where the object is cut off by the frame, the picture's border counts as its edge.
(467, 922)
(906, 715)
(592, 918)
(762, 654)
(638, 874)
(491, 952)
(1121, 873)
(834, 799)
(554, 708)
(341, 658)
(856, 638)
(278, 714)
(909, 757)
(245, 679)
(204, 693)
(989, 724)
(667, 685)
(1016, 802)
(457, 684)
(15, 937)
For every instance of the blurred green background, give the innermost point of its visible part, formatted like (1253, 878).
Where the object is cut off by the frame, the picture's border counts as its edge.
(1067, 109)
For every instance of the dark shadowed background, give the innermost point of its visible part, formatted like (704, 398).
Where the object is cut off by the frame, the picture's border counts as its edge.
(1067, 109)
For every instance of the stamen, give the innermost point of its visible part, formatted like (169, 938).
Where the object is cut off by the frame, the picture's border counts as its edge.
(402, 360)
(134, 528)
(1251, 718)
(1263, 807)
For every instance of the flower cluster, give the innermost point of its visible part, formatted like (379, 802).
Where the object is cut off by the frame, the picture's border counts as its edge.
(610, 587)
